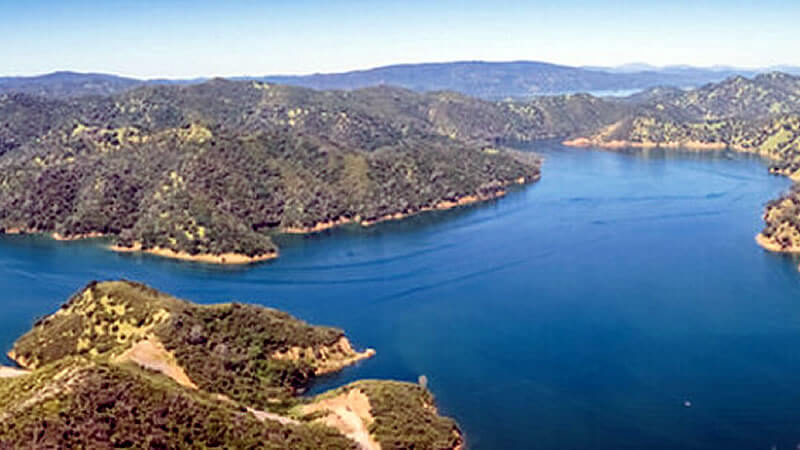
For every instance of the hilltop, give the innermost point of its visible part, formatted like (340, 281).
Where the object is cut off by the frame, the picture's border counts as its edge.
(123, 365)
(210, 171)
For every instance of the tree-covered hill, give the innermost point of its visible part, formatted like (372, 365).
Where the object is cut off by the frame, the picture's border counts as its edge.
(211, 170)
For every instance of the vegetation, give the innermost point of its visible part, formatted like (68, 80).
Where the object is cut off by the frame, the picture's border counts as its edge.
(226, 349)
(220, 166)
(77, 403)
(86, 391)
(394, 429)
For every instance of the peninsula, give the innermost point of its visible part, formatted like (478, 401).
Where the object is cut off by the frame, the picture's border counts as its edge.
(123, 365)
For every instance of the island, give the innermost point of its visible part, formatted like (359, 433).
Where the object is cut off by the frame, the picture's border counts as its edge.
(122, 365)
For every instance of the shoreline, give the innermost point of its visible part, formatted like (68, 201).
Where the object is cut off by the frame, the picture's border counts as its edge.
(19, 360)
(772, 246)
(76, 237)
(328, 358)
(223, 258)
(441, 205)
(584, 142)
(242, 259)
(54, 235)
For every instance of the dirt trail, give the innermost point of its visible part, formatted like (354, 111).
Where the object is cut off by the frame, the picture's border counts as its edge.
(349, 413)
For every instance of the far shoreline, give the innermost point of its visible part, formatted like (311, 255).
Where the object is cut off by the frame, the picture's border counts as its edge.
(441, 205)
(584, 142)
(231, 258)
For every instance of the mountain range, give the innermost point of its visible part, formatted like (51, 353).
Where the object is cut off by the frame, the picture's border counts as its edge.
(490, 80)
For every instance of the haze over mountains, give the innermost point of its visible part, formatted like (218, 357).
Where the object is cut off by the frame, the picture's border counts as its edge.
(490, 80)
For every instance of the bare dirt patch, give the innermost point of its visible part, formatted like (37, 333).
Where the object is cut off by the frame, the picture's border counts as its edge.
(151, 354)
(350, 413)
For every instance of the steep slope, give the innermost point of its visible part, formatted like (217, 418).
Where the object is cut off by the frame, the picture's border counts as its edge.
(121, 364)
(764, 95)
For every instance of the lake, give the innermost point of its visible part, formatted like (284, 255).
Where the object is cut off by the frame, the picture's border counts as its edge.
(579, 312)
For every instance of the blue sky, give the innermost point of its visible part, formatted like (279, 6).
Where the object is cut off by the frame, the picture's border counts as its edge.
(208, 38)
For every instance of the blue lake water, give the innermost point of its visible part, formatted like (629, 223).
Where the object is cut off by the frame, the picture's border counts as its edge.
(580, 312)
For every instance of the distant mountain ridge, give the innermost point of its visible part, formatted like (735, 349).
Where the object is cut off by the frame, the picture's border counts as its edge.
(488, 80)
(495, 80)
(66, 84)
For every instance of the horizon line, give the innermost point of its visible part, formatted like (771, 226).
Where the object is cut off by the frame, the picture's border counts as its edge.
(596, 68)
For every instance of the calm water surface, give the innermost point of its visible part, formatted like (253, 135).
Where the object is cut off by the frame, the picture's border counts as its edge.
(581, 312)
